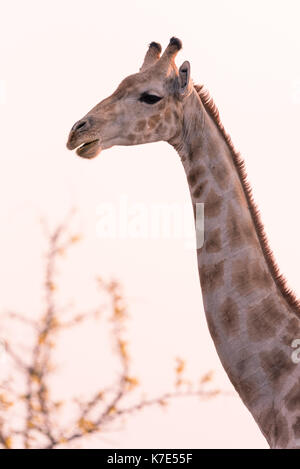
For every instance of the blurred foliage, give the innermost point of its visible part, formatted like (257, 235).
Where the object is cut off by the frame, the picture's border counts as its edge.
(32, 418)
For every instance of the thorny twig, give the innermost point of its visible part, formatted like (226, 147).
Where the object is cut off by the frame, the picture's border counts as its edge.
(35, 426)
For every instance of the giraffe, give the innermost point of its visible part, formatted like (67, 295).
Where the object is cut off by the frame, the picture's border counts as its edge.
(252, 316)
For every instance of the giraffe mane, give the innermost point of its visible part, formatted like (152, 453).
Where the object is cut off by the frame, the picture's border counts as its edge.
(239, 163)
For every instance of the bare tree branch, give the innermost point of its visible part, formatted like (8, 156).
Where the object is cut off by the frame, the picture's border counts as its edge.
(37, 425)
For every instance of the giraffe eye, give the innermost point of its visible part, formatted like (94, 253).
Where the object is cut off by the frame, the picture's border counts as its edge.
(149, 98)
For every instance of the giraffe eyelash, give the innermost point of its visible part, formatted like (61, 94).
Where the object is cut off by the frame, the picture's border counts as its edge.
(149, 98)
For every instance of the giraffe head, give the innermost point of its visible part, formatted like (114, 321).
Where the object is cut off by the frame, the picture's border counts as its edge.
(146, 106)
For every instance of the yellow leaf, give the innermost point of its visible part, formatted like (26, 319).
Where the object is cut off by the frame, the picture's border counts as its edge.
(111, 410)
(162, 403)
(179, 382)
(180, 366)
(36, 407)
(123, 348)
(42, 338)
(54, 322)
(132, 382)
(35, 378)
(76, 238)
(5, 402)
(207, 377)
(119, 312)
(86, 425)
(8, 442)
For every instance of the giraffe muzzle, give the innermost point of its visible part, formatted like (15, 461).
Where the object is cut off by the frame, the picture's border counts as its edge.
(89, 150)
(87, 146)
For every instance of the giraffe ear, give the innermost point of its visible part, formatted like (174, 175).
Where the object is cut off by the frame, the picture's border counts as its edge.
(184, 77)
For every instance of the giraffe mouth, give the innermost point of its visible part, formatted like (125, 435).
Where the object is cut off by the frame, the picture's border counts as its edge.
(89, 149)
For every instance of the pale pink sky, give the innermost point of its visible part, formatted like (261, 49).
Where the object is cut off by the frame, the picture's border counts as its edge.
(58, 59)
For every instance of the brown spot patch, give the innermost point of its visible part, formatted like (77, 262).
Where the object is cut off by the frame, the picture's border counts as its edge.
(249, 233)
(281, 433)
(293, 327)
(109, 108)
(198, 191)
(240, 276)
(247, 389)
(240, 231)
(160, 128)
(292, 399)
(176, 115)
(140, 125)
(195, 174)
(261, 278)
(292, 331)
(131, 138)
(239, 195)
(266, 423)
(232, 226)
(212, 276)
(221, 175)
(274, 427)
(213, 204)
(153, 120)
(249, 275)
(213, 241)
(194, 149)
(263, 320)
(296, 427)
(168, 115)
(177, 133)
(277, 364)
(229, 316)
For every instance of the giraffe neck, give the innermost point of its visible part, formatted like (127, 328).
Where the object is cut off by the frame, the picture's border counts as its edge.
(251, 323)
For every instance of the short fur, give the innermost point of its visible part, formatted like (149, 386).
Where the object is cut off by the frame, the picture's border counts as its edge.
(287, 293)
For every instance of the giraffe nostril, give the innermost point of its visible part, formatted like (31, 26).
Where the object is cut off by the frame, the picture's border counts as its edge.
(79, 125)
